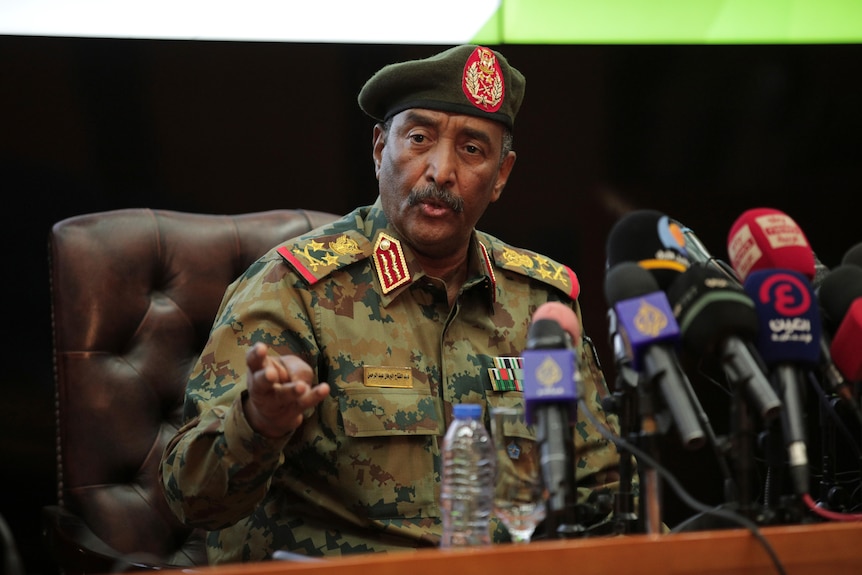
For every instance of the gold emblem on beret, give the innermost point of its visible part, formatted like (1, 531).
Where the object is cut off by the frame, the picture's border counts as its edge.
(483, 80)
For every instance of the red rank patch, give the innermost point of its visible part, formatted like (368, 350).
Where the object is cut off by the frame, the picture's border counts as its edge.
(389, 260)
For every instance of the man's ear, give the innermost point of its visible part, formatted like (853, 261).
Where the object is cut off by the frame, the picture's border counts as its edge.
(503, 175)
(378, 141)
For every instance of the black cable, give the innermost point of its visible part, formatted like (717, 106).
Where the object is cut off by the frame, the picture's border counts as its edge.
(682, 493)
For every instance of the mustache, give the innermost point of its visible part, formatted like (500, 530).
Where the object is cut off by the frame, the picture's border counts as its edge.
(437, 194)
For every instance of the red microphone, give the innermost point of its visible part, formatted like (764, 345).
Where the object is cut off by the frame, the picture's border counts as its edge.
(766, 238)
(846, 342)
(841, 306)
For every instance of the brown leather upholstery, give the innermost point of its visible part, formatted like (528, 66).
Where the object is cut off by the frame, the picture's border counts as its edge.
(134, 293)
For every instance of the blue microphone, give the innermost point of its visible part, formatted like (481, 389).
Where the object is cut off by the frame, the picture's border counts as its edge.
(789, 343)
(651, 335)
(551, 404)
(550, 372)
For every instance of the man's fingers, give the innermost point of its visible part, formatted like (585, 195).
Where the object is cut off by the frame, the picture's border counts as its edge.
(276, 372)
(258, 359)
(255, 357)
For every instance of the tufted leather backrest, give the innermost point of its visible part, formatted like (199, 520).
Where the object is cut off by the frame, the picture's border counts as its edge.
(134, 293)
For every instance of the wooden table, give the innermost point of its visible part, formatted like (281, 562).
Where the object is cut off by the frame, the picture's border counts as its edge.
(823, 548)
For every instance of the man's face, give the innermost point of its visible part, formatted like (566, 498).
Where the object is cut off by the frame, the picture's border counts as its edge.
(437, 173)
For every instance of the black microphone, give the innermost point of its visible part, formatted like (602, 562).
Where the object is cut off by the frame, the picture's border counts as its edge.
(651, 334)
(551, 401)
(853, 256)
(718, 320)
(652, 240)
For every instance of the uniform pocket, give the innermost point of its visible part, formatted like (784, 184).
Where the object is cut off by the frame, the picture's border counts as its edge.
(386, 459)
(376, 411)
(511, 399)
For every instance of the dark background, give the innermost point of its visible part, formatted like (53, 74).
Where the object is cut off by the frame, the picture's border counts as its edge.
(702, 133)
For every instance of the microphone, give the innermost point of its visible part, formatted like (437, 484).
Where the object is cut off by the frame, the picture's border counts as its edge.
(698, 253)
(564, 316)
(853, 256)
(652, 240)
(840, 297)
(718, 320)
(820, 273)
(551, 400)
(650, 333)
(765, 238)
(789, 342)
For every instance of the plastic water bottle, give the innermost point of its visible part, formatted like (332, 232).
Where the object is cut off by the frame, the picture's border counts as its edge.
(467, 493)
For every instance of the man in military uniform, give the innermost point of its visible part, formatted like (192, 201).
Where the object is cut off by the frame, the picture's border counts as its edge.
(316, 412)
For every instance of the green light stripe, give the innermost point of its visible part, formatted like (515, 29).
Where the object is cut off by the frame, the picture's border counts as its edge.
(674, 22)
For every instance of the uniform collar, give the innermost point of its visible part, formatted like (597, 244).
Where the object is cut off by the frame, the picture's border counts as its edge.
(396, 266)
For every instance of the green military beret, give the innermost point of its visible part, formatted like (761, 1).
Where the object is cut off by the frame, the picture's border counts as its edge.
(467, 79)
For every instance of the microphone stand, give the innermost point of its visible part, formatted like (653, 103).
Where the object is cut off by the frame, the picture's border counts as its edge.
(743, 440)
(774, 455)
(624, 403)
(828, 483)
(651, 502)
(833, 494)
(563, 514)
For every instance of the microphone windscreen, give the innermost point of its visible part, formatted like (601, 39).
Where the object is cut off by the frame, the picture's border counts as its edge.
(846, 342)
(563, 315)
(837, 293)
(853, 256)
(547, 334)
(627, 280)
(766, 238)
(788, 317)
(710, 307)
(652, 240)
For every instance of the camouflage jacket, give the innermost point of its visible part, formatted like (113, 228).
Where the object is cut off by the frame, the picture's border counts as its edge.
(362, 473)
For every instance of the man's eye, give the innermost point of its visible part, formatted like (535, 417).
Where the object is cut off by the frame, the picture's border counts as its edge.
(418, 138)
(472, 149)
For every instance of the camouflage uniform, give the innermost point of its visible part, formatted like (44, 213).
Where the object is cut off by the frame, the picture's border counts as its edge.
(362, 473)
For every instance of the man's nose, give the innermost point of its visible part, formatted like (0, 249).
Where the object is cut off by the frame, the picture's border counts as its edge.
(442, 162)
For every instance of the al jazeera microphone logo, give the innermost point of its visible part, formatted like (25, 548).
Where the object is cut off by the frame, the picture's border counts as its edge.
(649, 319)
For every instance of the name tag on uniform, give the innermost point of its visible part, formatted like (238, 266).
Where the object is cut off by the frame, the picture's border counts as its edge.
(384, 376)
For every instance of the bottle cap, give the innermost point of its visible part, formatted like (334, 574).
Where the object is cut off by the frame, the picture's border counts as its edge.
(467, 410)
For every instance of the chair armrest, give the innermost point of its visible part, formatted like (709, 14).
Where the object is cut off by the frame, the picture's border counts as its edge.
(77, 550)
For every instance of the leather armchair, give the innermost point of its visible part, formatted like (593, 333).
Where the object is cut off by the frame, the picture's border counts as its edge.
(134, 293)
